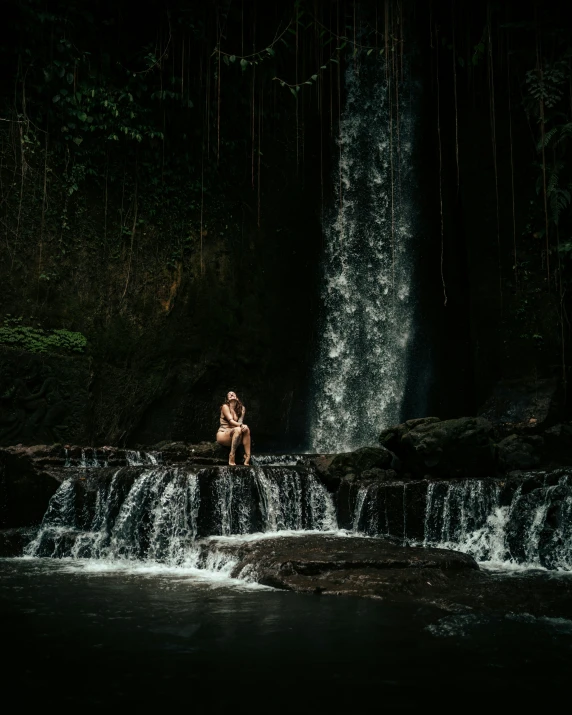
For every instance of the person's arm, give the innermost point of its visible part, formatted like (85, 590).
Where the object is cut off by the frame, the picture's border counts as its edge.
(228, 416)
(241, 418)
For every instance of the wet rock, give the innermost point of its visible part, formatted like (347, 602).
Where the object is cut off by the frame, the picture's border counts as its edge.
(302, 563)
(14, 541)
(202, 453)
(520, 452)
(383, 475)
(390, 437)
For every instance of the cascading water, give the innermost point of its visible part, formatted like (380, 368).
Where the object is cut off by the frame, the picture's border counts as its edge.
(159, 514)
(525, 524)
(525, 521)
(361, 371)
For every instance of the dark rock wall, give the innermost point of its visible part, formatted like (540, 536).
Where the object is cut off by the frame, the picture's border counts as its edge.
(158, 370)
(43, 398)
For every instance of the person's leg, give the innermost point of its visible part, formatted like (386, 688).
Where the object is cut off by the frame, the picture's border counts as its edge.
(236, 440)
(246, 445)
(224, 438)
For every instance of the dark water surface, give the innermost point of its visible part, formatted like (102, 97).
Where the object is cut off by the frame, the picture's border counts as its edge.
(78, 635)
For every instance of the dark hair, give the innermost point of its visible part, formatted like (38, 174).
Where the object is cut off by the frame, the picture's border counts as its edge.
(239, 405)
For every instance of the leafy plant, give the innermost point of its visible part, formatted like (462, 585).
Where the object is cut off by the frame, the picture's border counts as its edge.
(35, 340)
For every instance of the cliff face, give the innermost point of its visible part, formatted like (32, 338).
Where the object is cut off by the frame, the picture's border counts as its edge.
(166, 343)
(177, 306)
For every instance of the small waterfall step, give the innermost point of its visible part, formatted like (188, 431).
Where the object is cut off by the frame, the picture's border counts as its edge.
(525, 519)
(158, 513)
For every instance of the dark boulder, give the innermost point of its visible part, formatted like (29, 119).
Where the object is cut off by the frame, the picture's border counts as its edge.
(27, 483)
(332, 468)
(558, 442)
(390, 437)
(444, 448)
(520, 452)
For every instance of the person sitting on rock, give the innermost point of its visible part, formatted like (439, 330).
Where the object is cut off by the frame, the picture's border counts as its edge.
(232, 430)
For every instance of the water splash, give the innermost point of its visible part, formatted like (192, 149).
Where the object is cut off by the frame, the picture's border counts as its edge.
(361, 371)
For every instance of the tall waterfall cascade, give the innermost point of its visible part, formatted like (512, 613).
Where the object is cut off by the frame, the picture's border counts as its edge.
(367, 299)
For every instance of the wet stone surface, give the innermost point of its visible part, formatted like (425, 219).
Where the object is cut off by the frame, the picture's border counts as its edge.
(383, 569)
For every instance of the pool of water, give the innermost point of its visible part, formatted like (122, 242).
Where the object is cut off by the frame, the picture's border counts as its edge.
(79, 634)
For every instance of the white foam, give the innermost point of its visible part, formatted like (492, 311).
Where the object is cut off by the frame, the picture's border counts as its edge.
(151, 569)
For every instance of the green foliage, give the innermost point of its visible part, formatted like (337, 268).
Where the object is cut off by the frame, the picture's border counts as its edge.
(547, 84)
(36, 340)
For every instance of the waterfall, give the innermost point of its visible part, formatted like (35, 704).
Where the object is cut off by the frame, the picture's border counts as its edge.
(519, 523)
(361, 371)
(525, 521)
(154, 517)
(89, 458)
(159, 514)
